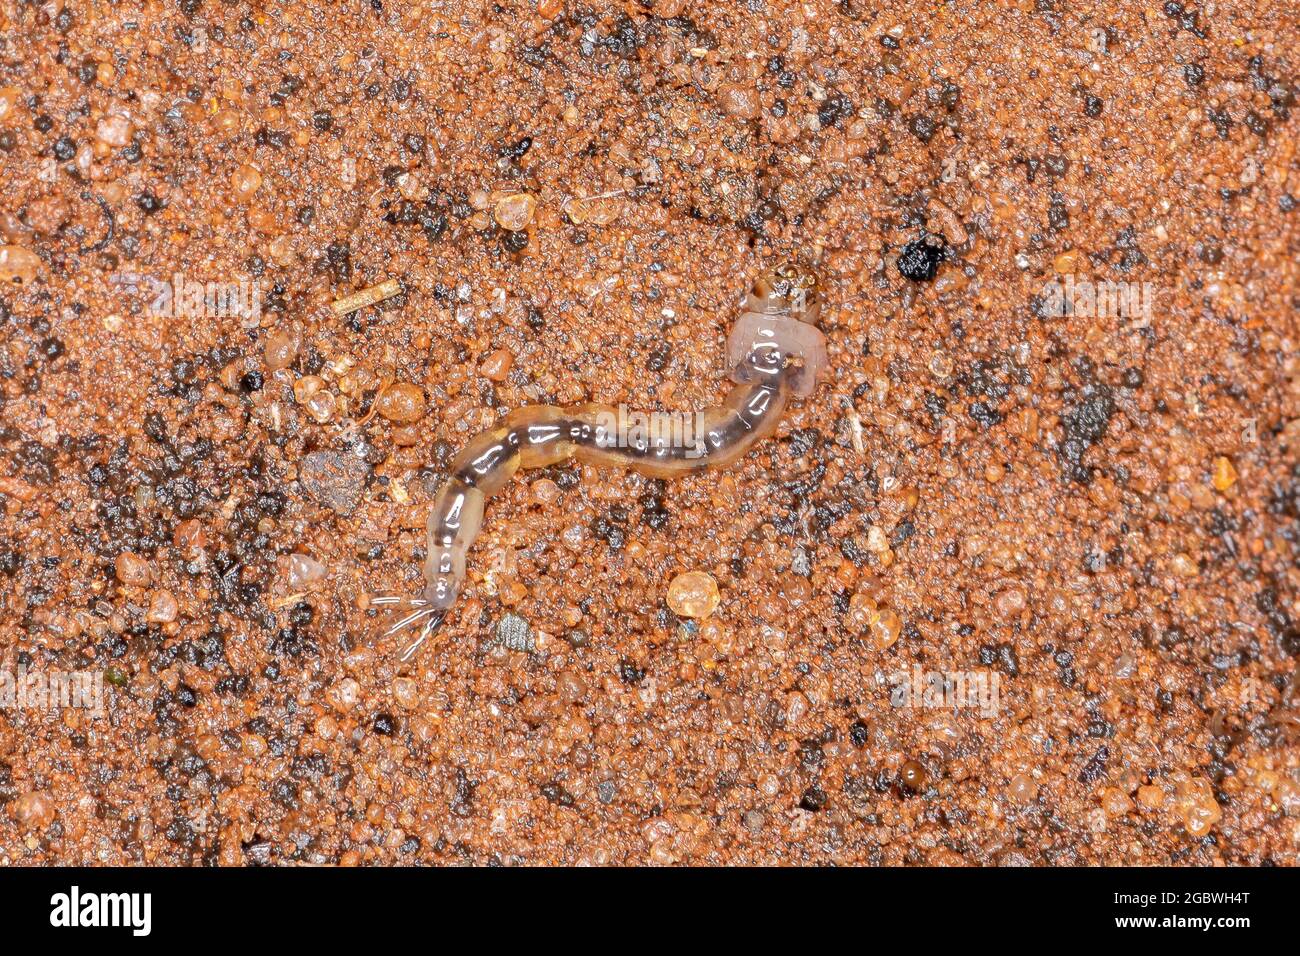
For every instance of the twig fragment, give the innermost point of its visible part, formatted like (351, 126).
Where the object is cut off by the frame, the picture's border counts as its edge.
(369, 296)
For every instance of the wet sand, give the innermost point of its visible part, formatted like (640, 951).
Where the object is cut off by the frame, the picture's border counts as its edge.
(1001, 480)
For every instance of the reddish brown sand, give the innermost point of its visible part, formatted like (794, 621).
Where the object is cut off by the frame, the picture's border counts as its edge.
(1101, 511)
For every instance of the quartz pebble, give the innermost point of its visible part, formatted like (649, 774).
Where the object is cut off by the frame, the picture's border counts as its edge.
(1225, 476)
(877, 541)
(406, 692)
(886, 626)
(497, 365)
(570, 687)
(401, 403)
(1009, 603)
(34, 810)
(1022, 789)
(47, 214)
(188, 537)
(11, 99)
(1195, 804)
(347, 693)
(796, 708)
(304, 571)
(307, 386)
(740, 101)
(280, 350)
(132, 570)
(1151, 797)
(162, 607)
(515, 212)
(113, 131)
(544, 492)
(246, 181)
(1183, 565)
(912, 776)
(321, 406)
(693, 594)
(405, 435)
(948, 222)
(18, 266)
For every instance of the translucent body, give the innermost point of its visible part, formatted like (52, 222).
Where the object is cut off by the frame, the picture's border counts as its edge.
(541, 435)
(759, 343)
(774, 351)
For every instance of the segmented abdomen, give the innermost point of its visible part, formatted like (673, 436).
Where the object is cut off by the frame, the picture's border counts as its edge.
(541, 435)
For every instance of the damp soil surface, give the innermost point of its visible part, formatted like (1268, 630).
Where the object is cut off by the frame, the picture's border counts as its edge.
(1088, 503)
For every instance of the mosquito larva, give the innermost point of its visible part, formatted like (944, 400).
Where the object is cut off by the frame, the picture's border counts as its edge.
(774, 350)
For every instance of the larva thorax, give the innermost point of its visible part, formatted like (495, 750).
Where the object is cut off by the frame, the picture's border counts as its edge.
(779, 326)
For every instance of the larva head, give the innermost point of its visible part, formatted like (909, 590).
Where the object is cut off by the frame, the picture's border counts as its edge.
(789, 289)
(777, 337)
